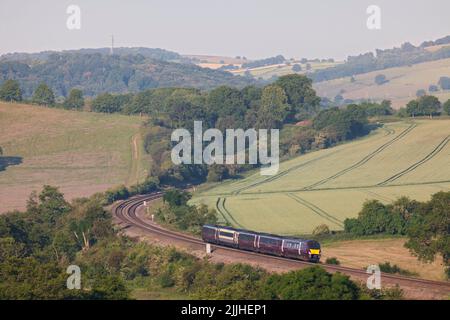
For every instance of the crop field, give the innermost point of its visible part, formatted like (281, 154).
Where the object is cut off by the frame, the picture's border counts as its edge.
(81, 152)
(401, 88)
(266, 72)
(326, 186)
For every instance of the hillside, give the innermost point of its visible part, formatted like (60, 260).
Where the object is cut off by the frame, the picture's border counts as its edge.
(96, 73)
(403, 83)
(80, 152)
(327, 186)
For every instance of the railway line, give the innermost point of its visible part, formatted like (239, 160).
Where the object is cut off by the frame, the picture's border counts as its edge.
(127, 213)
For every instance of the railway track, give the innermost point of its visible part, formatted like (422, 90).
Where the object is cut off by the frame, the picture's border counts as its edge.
(126, 212)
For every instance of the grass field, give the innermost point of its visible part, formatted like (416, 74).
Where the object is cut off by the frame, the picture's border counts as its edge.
(266, 72)
(363, 252)
(81, 152)
(400, 159)
(401, 88)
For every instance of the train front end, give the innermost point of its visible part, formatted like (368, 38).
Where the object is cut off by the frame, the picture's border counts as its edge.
(314, 251)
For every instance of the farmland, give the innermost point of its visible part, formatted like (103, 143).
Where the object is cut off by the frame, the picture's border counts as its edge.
(327, 186)
(81, 152)
(401, 88)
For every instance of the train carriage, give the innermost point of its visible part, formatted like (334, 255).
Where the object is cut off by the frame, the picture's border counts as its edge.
(289, 247)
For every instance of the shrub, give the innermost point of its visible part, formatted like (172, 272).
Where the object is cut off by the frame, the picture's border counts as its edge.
(394, 269)
(332, 260)
(321, 229)
(381, 79)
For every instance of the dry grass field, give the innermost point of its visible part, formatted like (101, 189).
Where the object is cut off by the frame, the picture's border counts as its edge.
(81, 152)
(401, 159)
(361, 253)
(401, 88)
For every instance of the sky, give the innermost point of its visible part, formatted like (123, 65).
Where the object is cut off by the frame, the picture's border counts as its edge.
(251, 28)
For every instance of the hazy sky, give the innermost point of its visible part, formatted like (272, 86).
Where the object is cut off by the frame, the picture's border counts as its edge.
(252, 28)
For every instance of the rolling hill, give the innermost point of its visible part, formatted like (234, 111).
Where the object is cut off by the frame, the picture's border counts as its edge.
(403, 83)
(81, 152)
(97, 72)
(327, 186)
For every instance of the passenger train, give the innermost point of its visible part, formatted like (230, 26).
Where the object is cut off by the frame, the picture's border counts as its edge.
(289, 247)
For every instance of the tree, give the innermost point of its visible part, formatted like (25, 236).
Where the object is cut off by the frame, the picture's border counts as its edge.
(310, 284)
(296, 67)
(226, 101)
(429, 105)
(420, 93)
(444, 82)
(446, 107)
(43, 95)
(380, 79)
(75, 99)
(10, 91)
(176, 197)
(428, 231)
(412, 108)
(107, 103)
(274, 108)
(300, 94)
(433, 88)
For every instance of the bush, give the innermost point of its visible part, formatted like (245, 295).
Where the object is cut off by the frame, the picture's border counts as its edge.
(444, 82)
(10, 91)
(446, 107)
(394, 269)
(321, 229)
(310, 284)
(433, 88)
(381, 79)
(420, 93)
(332, 260)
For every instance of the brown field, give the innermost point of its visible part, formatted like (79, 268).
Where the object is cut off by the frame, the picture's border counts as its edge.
(80, 152)
(401, 88)
(361, 253)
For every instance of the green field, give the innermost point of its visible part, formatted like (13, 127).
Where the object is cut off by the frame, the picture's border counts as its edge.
(327, 186)
(401, 88)
(81, 152)
(267, 72)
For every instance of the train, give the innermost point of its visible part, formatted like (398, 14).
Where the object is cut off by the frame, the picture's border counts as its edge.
(289, 247)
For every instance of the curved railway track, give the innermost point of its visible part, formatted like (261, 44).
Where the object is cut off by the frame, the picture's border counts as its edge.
(126, 212)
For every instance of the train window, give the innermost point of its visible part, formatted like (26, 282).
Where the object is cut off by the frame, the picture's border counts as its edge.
(269, 241)
(227, 234)
(246, 237)
(292, 245)
(209, 230)
(313, 245)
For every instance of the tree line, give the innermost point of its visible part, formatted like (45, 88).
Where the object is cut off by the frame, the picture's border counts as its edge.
(426, 224)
